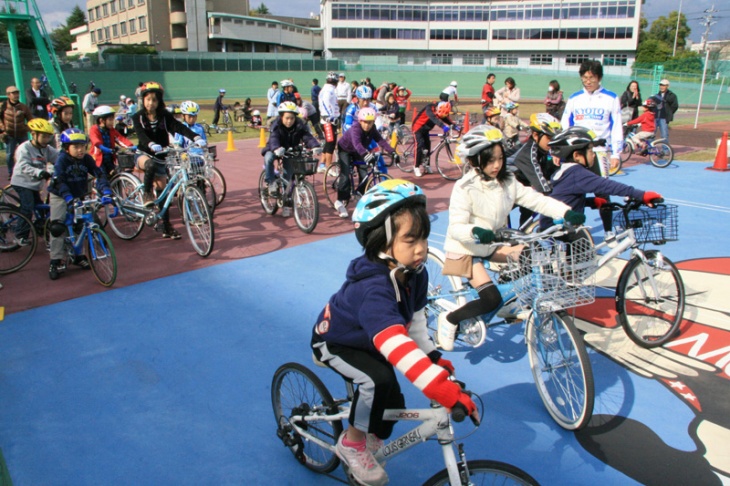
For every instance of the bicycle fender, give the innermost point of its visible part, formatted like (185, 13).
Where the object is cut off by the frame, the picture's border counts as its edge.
(624, 276)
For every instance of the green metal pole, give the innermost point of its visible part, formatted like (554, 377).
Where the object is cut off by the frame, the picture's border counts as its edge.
(15, 57)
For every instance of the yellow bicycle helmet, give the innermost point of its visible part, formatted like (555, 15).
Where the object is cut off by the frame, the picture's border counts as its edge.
(40, 125)
(545, 123)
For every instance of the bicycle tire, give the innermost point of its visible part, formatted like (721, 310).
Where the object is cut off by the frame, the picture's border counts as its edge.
(331, 179)
(268, 203)
(661, 154)
(626, 153)
(375, 179)
(128, 224)
(645, 320)
(483, 471)
(101, 256)
(296, 390)
(561, 369)
(446, 163)
(198, 221)
(472, 332)
(13, 255)
(406, 151)
(206, 188)
(219, 184)
(206, 128)
(9, 196)
(306, 206)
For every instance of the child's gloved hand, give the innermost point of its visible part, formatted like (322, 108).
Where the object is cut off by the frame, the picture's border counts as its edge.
(484, 236)
(447, 365)
(650, 197)
(279, 152)
(598, 202)
(575, 218)
(465, 407)
(44, 174)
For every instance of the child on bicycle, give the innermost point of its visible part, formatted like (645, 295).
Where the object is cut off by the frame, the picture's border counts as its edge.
(571, 182)
(647, 125)
(105, 138)
(256, 120)
(512, 123)
(493, 116)
(287, 132)
(355, 145)
(190, 111)
(62, 117)
(70, 184)
(361, 99)
(392, 110)
(436, 113)
(32, 161)
(378, 317)
(480, 205)
(153, 125)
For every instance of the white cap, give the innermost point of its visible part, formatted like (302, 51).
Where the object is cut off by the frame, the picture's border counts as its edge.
(453, 83)
(664, 82)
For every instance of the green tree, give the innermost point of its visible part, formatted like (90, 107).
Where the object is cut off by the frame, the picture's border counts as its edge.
(685, 62)
(653, 51)
(61, 36)
(261, 10)
(664, 28)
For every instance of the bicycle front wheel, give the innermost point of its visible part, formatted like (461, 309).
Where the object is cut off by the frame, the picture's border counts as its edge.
(561, 368)
(295, 390)
(101, 256)
(661, 154)
(219, 184)
(306, 206)
(18, 240)
(375, 179)
(626, 153)
(206, 189)
(650, 318)
(483, 472)
(268, 203)
(447, 164)
(406, 149)
(128, 223)
(198, 221)
(331, 180)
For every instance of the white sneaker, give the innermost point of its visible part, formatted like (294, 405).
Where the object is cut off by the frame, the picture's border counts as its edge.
(286, 211)
(417, 172)
(341, 209)
(374, 443)
(362, 464)
(446, 332)
(321, 169)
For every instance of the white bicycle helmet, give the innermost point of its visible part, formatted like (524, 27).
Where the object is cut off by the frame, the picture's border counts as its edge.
(288, 107)
(256, 113)
(364, 93)
(286, 83)
(454, 84)
(103, 111)
(189, 108)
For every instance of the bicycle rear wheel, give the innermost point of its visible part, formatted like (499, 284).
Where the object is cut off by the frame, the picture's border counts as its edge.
(306, 206)
(650, 319)
(626, 153)
(406, 149)
(128, 223)
(661, 154)
(9, 196)
(18, 240)
(198, 221)
(561, 368)
(331, 180)
(219, 184)
(268, 203)
(447, 165)
(101, 256)
(375, 179)
(295, 390)
(482, 472)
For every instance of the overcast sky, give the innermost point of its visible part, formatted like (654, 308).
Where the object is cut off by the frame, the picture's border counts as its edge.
(55, 12)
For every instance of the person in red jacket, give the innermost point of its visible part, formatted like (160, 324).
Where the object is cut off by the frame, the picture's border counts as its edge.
(436, 113)
(105, 138)
(647, 125)
(488, 91)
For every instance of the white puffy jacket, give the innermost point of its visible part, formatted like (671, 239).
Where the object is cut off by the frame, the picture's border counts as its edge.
(475, 202)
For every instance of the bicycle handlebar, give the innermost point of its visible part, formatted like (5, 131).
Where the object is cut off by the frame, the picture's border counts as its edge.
(630, 203)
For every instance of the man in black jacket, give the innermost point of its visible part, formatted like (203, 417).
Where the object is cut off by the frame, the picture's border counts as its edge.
(37, 99)
(668, 105)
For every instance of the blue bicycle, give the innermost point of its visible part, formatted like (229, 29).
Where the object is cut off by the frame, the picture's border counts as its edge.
(551, 277)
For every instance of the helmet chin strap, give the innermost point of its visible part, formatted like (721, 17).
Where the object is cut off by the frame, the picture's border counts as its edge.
(398, 266)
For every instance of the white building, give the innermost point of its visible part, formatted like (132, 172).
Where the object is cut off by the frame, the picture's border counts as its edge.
(516, 33)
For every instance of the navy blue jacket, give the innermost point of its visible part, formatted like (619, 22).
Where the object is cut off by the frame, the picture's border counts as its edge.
(70, 176)
(281, 136)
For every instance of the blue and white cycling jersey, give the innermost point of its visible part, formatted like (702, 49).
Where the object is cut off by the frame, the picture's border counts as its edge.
(183, 141)
(599, 111)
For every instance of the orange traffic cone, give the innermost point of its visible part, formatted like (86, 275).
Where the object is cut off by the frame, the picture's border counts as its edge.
(262, 138)
(408, 104)
(721, 156)
(230, 147)
(414, 115)
(465, 128)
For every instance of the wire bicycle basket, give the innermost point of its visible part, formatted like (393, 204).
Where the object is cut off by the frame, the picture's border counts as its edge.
(197, 162)
(656, 225)
(555, 275)
(303, 165)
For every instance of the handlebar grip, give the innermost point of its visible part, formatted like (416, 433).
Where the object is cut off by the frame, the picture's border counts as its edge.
(658, 200)
(458, 412)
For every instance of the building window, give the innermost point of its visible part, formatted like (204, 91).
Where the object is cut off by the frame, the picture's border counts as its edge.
(576, 59)
(473, 59)
(506, 59)
(113, 5)
(122, 5)
(91, 15)
(132, 26)
(93, 37)
(441, 58)
(99, 35)
(130, 3)
(142, 24)
(123, 28)
(115, 31)
(140, 2)
(105, 10)
(97, 12)
(106, 33)
(541, 59)
(615, 59)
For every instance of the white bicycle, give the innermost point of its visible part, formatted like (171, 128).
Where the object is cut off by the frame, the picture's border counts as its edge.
(309, 422)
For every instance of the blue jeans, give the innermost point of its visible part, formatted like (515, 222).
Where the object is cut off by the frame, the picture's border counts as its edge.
(10, 147)
(269, 158)
(28, 200)
(663, 128)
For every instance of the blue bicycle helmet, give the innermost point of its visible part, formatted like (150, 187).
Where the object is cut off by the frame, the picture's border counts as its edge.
(364, 93)
(73, 136)
(380, 202)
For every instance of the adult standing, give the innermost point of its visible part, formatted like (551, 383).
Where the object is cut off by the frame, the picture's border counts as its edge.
(344, 93)
(14, 118)
(668, 105)
(272, 109)
(597, 109)
(37, 99)
(554, 102)
(488, 91)
(316, 88)
(138, 93)
(631, 99)
(89, 104)
(330, 114)
(218, 106)
(509, 92)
